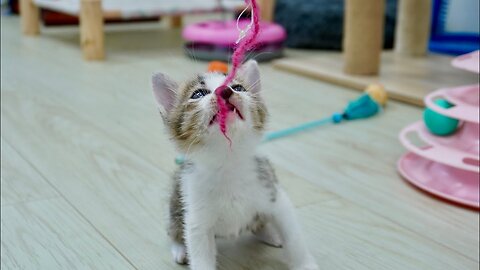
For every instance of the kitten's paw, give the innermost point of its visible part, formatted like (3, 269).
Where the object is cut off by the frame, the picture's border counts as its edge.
(270, 236)
(179, 252)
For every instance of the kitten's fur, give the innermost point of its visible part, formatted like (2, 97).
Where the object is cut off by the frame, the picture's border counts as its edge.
(223, 190)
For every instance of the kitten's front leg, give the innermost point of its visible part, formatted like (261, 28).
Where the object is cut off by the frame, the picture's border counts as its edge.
(299, 258)
(200, 241)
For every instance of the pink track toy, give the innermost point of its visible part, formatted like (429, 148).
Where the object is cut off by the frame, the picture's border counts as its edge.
(447, 166)
(216, 40)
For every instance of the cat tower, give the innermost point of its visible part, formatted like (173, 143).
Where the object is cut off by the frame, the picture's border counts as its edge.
(93, 12)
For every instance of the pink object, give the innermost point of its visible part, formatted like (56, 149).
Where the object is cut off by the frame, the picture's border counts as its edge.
(460, 151)
(447, 182)
(237, 58)
(468, 62)
(226, 33)
(465, 98)
(447, 166)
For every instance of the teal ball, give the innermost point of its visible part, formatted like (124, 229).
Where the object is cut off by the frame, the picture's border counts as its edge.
(179, 160)
(438, 124)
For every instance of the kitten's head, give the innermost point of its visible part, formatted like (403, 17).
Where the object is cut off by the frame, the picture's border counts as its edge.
(190, 109)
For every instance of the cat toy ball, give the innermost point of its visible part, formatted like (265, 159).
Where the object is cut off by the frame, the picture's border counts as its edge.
(214, 40)
(438, 124)
(218, 66)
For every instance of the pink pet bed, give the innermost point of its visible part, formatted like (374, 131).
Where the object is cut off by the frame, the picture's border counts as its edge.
(216, 40)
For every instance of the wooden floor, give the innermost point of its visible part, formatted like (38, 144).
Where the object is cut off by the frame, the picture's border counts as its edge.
(86, 166)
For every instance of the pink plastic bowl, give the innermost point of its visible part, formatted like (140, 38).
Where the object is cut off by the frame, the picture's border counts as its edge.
(225, 33)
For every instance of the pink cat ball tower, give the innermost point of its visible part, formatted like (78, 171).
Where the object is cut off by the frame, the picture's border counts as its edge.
(447, 166)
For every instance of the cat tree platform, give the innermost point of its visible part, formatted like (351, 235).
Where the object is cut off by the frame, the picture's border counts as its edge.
(407, 79)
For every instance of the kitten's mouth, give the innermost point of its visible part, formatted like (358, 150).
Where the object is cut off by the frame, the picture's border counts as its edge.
(231, 108)
(234, 109)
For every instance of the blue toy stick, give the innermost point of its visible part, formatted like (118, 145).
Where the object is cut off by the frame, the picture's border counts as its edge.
(363, 107)
(296, 129)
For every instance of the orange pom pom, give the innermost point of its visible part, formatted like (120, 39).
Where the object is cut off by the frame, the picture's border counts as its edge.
(377, 92)
(218, 66)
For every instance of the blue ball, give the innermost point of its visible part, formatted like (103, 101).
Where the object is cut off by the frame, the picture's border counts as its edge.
(337, 118)
(439, 124)
(179, 160)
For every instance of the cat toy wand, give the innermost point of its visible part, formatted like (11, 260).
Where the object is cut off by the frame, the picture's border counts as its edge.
(367, 105)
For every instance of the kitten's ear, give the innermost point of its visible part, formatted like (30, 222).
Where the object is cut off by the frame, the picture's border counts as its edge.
(165, 91)
(251, 75)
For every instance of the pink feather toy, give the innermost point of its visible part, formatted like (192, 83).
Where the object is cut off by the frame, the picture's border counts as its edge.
(246, 39)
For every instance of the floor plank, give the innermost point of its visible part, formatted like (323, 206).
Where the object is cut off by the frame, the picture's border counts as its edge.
(49, 234)
(367, 241)
(20, 182)
(118, 192)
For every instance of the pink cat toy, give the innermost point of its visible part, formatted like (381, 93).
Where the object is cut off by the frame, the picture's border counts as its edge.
(215, 40)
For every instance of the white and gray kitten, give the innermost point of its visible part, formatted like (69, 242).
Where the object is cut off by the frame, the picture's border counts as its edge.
(223, 189)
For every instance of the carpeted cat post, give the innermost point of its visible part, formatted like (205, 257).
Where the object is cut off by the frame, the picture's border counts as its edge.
(363, 36)
(413, 27)
(267, 10)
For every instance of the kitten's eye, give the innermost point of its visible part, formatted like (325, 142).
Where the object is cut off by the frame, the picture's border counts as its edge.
(238, 88)
(199, 93)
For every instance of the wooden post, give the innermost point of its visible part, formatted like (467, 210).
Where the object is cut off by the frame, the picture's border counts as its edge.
(176, 21)
(413, 27)
(30, 17)
(363, 36)
(91, 30)
(267, 10)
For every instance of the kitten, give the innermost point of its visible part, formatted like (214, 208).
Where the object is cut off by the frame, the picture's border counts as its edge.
(224, 189)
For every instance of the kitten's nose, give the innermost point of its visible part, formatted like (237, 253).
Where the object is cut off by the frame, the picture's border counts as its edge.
(226, 93)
